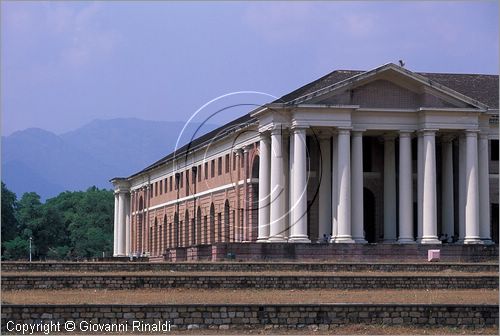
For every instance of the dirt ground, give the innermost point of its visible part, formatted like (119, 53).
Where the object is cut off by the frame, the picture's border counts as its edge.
(248, 296)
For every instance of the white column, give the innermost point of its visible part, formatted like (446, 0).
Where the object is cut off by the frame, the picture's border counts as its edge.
(461, 188)
(115, 228)
(286, 190)
(420, 186)
(298, 230)
(357, 188)
(484, 189)
(472, 190)
(264, 183)
(290, 185)
(344, 188)
(389, 190)
(277, 210)
(405, 190)
(325, 185)
(335, 197)
(429, 234)
(121, 224)
(447, 192)
(127, 224)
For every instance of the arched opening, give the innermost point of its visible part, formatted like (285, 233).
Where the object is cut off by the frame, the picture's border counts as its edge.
(154, 248)
(141, 203)
(164, 239)
(369, 216)
(494, 222)
(211, 229)
(198, 226)
(175, 234)
(255, 167)
(227, 223)
(139, 234)
(186, 228)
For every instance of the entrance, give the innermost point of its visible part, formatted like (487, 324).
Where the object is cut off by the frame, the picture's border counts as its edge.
(369, 216)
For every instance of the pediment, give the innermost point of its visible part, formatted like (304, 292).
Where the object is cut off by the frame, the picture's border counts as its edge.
(391, 87)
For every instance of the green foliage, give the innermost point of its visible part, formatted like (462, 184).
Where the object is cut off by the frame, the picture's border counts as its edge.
(9, 221)
(16, 248)
(73, 225)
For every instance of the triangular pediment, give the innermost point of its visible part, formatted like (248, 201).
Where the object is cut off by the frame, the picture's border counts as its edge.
(390, 86)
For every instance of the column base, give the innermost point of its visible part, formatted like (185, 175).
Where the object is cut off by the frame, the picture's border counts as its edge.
(299, 239)
(276, 239)
(473, 240)
(360, 240)
(262, 240)
(430, 240)
(342, 240)
(487, 241)
(406, 241)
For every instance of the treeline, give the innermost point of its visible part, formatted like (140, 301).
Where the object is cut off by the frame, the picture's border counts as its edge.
(74, 225)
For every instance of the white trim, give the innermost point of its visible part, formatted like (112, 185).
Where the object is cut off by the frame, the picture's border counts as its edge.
(200, 194)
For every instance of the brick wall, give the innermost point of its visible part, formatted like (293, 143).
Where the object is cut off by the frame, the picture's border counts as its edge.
(321, 316)
(243, 267)
(16, 282)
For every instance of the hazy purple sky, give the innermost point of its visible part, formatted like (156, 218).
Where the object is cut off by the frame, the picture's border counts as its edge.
(64, 64)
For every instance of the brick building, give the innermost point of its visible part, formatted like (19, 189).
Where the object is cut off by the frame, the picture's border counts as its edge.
(387, 155)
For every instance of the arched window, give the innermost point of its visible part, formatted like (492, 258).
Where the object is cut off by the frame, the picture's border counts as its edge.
(198, 227)
(175, 234)
(212, 224)
(227, 219)
(186, 228)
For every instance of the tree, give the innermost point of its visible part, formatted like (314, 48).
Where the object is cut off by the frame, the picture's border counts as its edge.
(10, 227)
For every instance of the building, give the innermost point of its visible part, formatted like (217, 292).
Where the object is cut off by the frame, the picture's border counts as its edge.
(386, 155)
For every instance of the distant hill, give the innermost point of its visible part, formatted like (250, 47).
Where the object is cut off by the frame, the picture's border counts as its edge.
(41, 161)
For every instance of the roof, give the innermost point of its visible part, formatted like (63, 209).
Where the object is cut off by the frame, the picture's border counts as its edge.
(483, 88)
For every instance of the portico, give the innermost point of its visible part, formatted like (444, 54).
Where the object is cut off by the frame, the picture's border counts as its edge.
(385, 156)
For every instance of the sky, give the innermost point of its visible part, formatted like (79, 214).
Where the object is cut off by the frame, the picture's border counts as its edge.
(64, 64)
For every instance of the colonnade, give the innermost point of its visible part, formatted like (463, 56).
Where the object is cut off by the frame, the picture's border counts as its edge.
(341, 202)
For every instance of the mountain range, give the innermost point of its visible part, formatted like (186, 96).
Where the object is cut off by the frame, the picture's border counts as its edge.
(48, 164)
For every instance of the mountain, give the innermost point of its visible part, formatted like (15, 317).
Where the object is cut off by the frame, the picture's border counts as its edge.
(41, 161)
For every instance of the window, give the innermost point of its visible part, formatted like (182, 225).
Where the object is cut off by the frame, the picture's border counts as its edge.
(181, 178)
(187, 178)
(494, 150)
(166, 185)
(219, 166)
(156, 189)
(193, 174)
(227, 163)
(205, 170)
(234, 161)
(161, 187)
(151, 190)
(199, 173)
(170, 182)
(212, 168)
(243, 161)
(176, 186)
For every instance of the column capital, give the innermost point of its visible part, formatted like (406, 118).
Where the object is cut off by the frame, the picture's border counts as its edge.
(298, 129)
(471, 132)
(357, 132)
(247, 148)
(344, 131)
(405, 134)
(428, 131)
(277, 129)
(483, 135)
